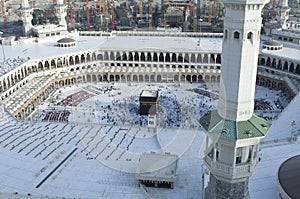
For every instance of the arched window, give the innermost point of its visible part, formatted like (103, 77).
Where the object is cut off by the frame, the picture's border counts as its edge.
(143, 57)
(174, 59)
(149, 57)
(167, 59)
(297, 69)
(268, 61)
(82, 60)
(99, 57)
(250, 35)
(112, 56)
(161, 57)
(186, 58)
(218, 60)
(94, 56)
(124, 57)
(155, 57)
(130, 56)
(236, 35)
(106, 56)
(193, 58)
(118, 56)
(262, 61)
(136, 56)
(88, 57)
(291, 68)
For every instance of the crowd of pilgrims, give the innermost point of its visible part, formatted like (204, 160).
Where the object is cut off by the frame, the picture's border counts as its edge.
(172, 112)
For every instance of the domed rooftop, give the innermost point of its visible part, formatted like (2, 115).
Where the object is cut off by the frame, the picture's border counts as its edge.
(272, 45)
(289, 178)
(66, 40)
(272, 42)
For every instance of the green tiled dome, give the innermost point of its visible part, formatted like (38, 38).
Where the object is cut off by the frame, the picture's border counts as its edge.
(212, 123)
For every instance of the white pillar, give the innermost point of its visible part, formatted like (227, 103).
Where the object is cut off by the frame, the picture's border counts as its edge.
(215, 153)
(252, 153)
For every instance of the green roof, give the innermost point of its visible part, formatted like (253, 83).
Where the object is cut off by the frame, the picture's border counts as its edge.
(213, 123)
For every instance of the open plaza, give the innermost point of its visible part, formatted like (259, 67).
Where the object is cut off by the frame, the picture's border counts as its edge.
(85, 141)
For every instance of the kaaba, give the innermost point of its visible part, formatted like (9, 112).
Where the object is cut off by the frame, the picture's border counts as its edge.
(148, 102)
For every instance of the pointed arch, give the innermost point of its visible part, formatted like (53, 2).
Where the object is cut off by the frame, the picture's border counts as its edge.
(88, 57)
(143, 58)
(158, 78)
(47, 65)
(262, 61)
(186, 58)
(205, 58)
(174, 59)
(218, 59)
(77, 61)
(188, 78)
(135, 78)
(59, 63)
(274, 63)
(149, 57)
(82, 59)
(147, 78)
(268, 61)
(180, 58)
(53, 64)
(111, 78)
(236, 35)
(124, 56)
(297, 71)
(88, 78)
(291, 69)
(40, 66)
(141, 78)
(106, 57)
(71, 60)
(167, 58)
(212, 58)
(94, 56)
(100, 57)
(199, 58)
(155, 59)
(206, 78)
(118, 56)
(136, 56)
(130, 56)
(161, 57)
(285, 66)
(112, 56)
(194, 78)
(279, 65)
(193, 58)
(200, 78)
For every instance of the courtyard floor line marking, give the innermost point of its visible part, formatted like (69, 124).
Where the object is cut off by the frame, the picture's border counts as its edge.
(37, 186)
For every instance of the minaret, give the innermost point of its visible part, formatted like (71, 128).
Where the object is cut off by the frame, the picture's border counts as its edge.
(61, 13)
(233, 130)
(26, 15)
(283, 13)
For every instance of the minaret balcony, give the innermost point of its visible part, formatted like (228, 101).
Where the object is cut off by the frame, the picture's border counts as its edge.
(230, 173)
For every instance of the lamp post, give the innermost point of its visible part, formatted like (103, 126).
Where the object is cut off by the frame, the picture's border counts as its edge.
(1, 33)
(1, 105)
(198, 44)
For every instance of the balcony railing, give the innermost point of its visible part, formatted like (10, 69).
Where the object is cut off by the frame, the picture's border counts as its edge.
(229, 171)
